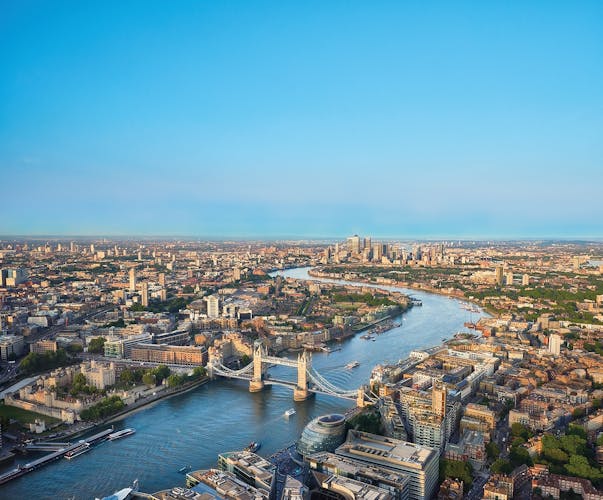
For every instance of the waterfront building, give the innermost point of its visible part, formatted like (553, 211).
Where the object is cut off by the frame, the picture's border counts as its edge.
(249, 467)
(11, 346)
(225, 485)
(324, 433)
(169, 354)
(396, 483)
(420, 463)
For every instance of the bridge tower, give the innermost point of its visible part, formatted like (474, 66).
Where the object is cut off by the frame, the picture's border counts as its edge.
(304, 363)
(256, 384)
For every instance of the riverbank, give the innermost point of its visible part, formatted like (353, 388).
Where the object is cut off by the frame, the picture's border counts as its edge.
(132, 409)
(405, 284)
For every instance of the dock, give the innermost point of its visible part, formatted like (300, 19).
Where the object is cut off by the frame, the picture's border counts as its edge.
(51, 457)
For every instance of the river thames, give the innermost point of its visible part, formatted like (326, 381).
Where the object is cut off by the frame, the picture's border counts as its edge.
(191, 429)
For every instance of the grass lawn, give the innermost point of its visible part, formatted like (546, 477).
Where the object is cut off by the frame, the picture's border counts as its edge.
(24, 416)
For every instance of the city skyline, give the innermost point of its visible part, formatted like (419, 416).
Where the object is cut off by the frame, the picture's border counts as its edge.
(272, 121)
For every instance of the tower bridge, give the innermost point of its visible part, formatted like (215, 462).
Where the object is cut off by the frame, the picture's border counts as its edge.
(309, 381)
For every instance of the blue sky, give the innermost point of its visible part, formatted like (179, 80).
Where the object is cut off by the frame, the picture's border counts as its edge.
(398, 119)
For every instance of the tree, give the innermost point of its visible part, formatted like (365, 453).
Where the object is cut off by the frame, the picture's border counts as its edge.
(457, 470)
(161, 372)
(149, 379)
(520, 430)
(579, 466)
(75, 348)
(126, 377)
(492, 450)
(501, 466)
(97, 345)
(519, 456)
(174, 380)
(578, 413)
(199, 372)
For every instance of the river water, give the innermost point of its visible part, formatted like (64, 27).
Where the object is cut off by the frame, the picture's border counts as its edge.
(193, 428)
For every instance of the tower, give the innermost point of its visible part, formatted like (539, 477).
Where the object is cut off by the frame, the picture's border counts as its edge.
(438, 399)
(499, 275)
(132, 279)
(145, 294)
(304, 362)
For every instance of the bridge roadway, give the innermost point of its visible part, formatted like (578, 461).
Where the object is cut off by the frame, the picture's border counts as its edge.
(246, 375)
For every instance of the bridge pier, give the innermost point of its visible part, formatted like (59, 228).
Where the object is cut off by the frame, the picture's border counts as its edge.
(256, 385)
(301, 394)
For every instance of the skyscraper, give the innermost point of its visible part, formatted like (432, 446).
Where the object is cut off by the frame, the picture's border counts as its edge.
(144, 293)
(499, 275)
(133, 279)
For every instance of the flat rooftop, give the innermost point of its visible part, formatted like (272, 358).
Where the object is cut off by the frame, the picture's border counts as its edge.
(386, 451)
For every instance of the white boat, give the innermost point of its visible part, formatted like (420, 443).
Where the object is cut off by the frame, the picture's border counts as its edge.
(289, 412)
(123, 494)
(120, 434)
(352, 364)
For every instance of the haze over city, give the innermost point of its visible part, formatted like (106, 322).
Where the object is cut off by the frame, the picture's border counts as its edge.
(267, 119)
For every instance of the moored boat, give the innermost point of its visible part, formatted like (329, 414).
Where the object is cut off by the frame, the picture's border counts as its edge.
(121, 434)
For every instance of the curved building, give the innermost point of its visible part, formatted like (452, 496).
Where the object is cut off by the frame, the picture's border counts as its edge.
(324, 433)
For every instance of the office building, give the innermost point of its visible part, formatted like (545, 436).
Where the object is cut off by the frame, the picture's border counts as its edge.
(12, 277)
(349, 489)
(43, 346)
(249, 467)
(354, 245)
(395, 483)
(419, 463)
(11, 346)
(169, 354)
